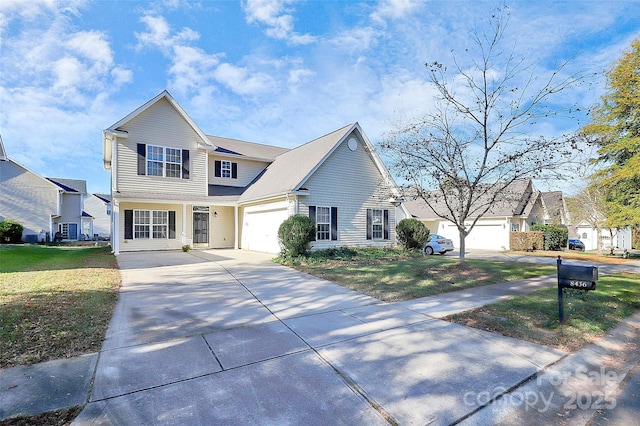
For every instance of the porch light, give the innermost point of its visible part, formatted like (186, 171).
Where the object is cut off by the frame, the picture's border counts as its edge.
(215, 214)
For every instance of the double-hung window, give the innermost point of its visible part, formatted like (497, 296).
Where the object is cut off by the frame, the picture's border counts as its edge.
(160, 224)
(162, 161)
(378, 224)
(173, 162)
(150, 224)
(326, 220)
(226, 169)
(141, 223)
(323, 223)
(155, 160)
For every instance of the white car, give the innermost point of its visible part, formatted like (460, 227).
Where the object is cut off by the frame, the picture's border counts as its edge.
(438, 244)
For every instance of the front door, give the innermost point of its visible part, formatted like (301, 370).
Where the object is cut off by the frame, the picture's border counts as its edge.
(200, 228)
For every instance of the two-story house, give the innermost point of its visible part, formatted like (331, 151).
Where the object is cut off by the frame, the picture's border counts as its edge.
(172, 185)
(43, 206)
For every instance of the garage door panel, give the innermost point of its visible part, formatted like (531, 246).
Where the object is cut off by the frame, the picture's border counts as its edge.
(262, 230)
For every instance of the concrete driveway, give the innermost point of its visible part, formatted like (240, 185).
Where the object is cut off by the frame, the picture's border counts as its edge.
(228, 337)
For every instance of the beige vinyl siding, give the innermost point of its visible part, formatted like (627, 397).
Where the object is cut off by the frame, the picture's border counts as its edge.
(222, 229)
(247, 171)
(350, 181)
(160, 125)
(151, 244)
(27, 198)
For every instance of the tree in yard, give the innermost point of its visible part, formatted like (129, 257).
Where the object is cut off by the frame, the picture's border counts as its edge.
(590, 205)
(464, 156)
(615, 129)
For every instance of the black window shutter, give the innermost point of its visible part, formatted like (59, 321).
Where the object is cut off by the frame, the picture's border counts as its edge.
(142, 159)
(334, 223)
(218, 168)
(172, 224)
(369, 221)
(234, 170)
(128, 224)
(312, 216)
(185, 164)
(386, 224)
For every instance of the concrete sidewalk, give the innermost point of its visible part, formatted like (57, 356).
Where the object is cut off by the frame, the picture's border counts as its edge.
(218, 337)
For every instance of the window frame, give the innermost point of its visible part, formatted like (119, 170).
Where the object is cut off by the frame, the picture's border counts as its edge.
(225, 169)
(323, 234)
(168, 158)
(154, 228)
(374, 230)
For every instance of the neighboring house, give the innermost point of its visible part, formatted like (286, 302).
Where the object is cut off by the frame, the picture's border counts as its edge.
(72, 223)
(99, 207)
(520, 207)
(42, 206)
(616, 238)
(172, 185)
(556, 208)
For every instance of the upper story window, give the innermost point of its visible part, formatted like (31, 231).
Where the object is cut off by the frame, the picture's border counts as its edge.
(163, 161)
(109, 209)
(226, 169)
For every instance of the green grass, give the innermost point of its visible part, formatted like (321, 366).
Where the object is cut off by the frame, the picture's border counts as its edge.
(393, 275)
(55, 302)
(534, 317)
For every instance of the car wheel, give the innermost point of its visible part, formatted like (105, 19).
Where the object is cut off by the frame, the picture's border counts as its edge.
(428, 250)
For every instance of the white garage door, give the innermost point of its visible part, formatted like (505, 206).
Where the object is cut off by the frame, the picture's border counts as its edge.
(261, 230)
(487, 237)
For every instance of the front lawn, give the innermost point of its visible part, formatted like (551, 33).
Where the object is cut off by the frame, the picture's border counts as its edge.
(394, 275)
(55, 302)
(534, 317)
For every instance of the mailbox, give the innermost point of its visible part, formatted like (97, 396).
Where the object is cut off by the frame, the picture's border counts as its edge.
(578, 277)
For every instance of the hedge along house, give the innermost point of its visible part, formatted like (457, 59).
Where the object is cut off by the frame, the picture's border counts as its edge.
(172, 185)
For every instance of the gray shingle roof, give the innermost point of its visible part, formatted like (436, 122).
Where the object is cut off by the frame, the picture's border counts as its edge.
(517, 200)
(291, 168)
(71, 185)
(247, 149)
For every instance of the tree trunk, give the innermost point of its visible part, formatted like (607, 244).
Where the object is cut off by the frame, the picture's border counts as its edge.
(463, 236)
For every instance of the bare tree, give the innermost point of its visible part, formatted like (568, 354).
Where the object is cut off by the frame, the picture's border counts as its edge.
(462, 158)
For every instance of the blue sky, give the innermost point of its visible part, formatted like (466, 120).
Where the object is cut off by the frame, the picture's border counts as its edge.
(277, 72)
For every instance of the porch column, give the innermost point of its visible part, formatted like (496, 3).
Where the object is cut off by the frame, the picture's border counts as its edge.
(115, 227)
(184, 224)
(235, 221)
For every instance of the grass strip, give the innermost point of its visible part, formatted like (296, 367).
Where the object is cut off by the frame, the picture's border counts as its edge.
(396, 275)
(55, 302)
(534, 317)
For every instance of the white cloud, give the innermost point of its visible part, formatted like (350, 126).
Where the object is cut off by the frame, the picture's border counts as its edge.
(275, 15)
(395, 9)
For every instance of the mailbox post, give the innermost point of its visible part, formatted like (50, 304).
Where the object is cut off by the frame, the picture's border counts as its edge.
(575, 277)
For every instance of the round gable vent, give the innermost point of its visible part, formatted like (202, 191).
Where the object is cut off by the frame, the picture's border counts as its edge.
(353, 144)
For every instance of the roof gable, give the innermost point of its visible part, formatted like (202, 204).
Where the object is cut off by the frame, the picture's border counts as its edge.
(291, 169)
(162, 95)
